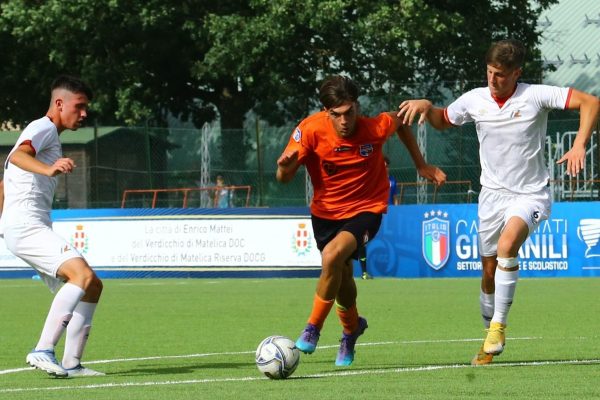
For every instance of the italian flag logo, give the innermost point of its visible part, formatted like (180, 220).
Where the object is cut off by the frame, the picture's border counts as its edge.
(436, 239)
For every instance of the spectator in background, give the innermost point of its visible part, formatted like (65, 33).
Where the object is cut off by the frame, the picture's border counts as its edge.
(362, 258)
(223, 193)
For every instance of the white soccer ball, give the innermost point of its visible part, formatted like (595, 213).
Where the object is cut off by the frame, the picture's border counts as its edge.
(277, 357)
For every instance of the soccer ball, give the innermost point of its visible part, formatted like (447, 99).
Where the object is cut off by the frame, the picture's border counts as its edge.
(277, 357)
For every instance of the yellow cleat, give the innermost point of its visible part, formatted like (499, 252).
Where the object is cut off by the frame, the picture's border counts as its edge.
(494, 342)
(482, 358)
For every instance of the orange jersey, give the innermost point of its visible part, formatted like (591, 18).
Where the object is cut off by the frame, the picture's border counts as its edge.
(348, 174)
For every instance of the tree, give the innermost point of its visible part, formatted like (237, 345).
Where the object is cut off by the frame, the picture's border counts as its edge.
(202, 59)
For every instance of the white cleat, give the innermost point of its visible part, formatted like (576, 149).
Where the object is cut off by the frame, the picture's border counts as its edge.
(81, 371)
(46, 361)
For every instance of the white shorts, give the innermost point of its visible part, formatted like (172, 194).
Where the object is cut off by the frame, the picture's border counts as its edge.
(39, 246)
(496, 208)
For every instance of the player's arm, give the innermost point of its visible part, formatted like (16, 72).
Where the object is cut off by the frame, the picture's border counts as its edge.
(434, 115)
(427, 171)
(589, 107)
(24, 158)
(287, 165)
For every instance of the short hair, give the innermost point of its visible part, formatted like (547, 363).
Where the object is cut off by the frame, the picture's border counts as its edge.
(508, 53)
(337, 90)
(386, 159)
(72, 84)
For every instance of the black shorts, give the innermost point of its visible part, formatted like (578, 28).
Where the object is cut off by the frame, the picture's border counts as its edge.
(363, 226)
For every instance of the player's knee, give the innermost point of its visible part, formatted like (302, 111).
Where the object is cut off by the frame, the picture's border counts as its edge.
(331, 257)
(509, 246)
(488, 275)
(508, 262)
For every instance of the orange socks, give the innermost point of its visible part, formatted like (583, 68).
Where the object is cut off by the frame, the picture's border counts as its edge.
(320, 311)
(348, 317)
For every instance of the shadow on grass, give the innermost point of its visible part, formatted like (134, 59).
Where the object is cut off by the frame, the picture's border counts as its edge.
(181, 369)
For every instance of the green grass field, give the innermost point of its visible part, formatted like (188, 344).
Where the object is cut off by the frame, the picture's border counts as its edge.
(195, 339)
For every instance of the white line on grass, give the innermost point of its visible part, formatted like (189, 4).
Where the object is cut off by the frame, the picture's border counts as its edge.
(227, 353)
(323, 375)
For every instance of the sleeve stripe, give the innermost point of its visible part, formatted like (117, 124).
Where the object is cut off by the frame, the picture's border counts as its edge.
(446, 118)
(30, 144)
(568, 99)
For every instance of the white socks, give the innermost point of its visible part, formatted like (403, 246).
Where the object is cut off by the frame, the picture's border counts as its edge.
(506, 283)
(77, 334)
(486, 304)
(61, 312)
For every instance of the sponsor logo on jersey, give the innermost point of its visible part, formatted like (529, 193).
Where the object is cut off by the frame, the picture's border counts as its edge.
(297, 135)
(435, 237)
(365, 150)
(342, 148)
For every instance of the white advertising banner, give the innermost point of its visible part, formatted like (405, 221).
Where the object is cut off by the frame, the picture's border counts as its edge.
(193, 242)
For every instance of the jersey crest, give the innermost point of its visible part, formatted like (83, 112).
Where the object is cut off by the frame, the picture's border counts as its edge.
(365, 150)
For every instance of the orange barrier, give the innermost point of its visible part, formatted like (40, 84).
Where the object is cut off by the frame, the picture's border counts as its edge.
(185, 192)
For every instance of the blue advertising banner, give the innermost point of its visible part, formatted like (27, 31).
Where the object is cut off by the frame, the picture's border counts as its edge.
(441, 241)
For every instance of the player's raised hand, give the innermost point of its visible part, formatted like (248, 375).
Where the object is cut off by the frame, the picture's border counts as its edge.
(62, 166)
(575, 159)
(433, 174)
(410, 108)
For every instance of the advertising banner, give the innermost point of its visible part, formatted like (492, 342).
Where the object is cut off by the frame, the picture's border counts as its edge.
(185, 241)
(413, 241)
(441, 241)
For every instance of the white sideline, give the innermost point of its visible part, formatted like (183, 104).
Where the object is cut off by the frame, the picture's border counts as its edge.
(324, 375)
(199, 355)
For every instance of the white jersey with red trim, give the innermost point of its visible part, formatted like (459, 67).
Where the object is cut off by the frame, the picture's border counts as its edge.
(28, 196)
(511, 137)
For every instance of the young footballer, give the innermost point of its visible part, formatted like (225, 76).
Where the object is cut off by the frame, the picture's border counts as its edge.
(29, 182)
(342, 152)
(511, 119)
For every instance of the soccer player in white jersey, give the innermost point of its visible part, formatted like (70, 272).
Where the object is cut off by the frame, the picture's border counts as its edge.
(29, 182)
(511, 119)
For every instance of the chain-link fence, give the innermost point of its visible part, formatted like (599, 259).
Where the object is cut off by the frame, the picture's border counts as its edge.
(152, 158)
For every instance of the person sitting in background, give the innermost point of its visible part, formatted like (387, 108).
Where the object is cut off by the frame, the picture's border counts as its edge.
(222, 197)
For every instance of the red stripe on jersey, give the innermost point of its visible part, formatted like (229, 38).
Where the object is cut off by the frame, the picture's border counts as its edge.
(568, 99)
(28, 143)
(446, 117)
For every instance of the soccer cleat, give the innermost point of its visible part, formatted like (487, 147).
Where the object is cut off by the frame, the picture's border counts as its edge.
(365, 276)
(307, 342)
(81, 371)
(46, 361)
(494, 342)
(482, 358)
(345, 355)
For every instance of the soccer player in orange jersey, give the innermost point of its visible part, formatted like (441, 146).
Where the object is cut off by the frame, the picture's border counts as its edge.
(343, 154)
